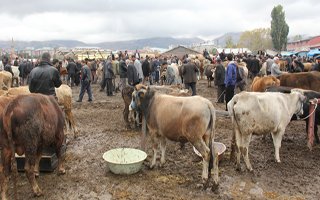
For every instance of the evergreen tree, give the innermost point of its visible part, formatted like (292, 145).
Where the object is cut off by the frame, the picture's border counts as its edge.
(279, 28)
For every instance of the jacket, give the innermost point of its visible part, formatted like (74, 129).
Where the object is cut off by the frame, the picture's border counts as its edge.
(146, 68)
(275, 70)
(189, 73)
(71, 67)
(108, 70)
(133, 77)
(8, 68)
(115, 67)
(123, 69)
(219, 75)
(137, 65)
(86, 74)
(231, 75)
(44, 78)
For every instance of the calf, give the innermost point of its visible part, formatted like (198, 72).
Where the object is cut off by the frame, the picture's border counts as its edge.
(259, 84)
(260, 114)
(209, 72)
(30, 124)
(179, 119)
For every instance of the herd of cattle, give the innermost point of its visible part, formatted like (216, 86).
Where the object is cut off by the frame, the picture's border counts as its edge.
(30, 122)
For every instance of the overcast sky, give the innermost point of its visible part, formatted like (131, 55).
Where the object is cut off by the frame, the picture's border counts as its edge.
(113, 20)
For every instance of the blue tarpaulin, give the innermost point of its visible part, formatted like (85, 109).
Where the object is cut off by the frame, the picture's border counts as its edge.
(287, 53)
(313, 52)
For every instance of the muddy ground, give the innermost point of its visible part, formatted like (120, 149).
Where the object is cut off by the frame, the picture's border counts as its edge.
(102, 128)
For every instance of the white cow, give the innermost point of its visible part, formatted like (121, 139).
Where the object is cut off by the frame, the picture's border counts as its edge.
(261, 113)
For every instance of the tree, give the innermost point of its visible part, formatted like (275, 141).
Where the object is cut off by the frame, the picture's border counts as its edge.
(279, 28)
(256, 39)
(229, 42)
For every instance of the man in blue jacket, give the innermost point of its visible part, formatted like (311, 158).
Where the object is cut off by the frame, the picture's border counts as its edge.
(230, 78)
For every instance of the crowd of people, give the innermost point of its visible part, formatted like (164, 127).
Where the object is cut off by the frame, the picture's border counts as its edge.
(121, 69)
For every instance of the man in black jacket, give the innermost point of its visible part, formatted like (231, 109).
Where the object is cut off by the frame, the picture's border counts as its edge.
(146, 70)
(219, 76)
(123, 73)
(71, 67)
(133, 78)
(85, 81)
(44, 78)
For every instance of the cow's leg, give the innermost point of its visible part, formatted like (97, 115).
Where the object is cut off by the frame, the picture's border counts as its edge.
(277, 137)
(155, 143)
(215, 168)
(5, 170)
(238, 139)
(163, 145)
(204, 150)
(29, 168)
(126, 116)
(245, 151)
(71, 122)
(36, 168)
(60, 156)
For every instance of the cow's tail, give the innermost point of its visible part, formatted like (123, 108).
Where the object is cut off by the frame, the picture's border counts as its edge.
(211, 136)
(234, 121)
(8, 129)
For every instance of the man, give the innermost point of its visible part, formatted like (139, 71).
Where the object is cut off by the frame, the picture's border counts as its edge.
(93, 68)
(16, 62)
(189, 73)
(275, 69)
(155, 71)
(146, 70)
(115, 69)
(85, 81)
(123, 73)
(137, 65)
(133, 78)
(71, 67)
(230, 79)
(22, 72)
(108, 76)
(219, 76)
(269, 64)
(44, 78)
(7, 66)
(255, 66)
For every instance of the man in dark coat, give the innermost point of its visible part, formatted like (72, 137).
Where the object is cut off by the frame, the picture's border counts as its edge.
(189, 73)
(108, 76)
(146, 70)
(133, 78)
(71, 67)
(22, 72)
(123, 73)
(85, 81)
(219, 76)
(44, 78)
(255, 66)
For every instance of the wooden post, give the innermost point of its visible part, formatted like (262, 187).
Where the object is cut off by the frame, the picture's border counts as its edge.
(311, 123)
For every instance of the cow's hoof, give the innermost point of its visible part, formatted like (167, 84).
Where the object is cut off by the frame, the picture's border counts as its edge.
(152, 166)
(61, 172)
(36, 173)
(215, 188)
(162, 164)
(37, 192)
(205, 184)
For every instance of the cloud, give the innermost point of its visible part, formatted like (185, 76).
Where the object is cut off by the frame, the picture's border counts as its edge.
(110, 20)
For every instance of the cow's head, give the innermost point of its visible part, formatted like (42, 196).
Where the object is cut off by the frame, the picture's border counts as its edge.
(137, 96)
(301, 100)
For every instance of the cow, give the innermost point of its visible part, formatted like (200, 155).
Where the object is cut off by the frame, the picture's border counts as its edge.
(307, 66)
(64, 97)
(309, 94)
(30, 123)
(126, 94)
(303, 80)
(209, 72)
(259, 84)
(254, 113)
(5, 80)
(180, 119)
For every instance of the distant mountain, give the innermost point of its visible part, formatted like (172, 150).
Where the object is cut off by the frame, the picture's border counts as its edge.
(221, 41)
(157, 42)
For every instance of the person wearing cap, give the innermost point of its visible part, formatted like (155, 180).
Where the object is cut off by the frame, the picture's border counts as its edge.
(44, 78)
(275, 69)
(219, 76)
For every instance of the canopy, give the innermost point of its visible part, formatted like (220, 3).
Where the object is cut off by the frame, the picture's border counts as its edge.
(313, 52)
(287, 53)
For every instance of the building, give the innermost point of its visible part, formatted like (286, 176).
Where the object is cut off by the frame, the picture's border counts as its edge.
(304, 45)
(180, 51)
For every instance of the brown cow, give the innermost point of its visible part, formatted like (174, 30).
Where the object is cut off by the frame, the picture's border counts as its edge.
(64, 96)
(126, 93)
(30, 124)
(208, 71)
(5, 80)
(179, 119)
(260, 84)
(303, 80)
(307, 67)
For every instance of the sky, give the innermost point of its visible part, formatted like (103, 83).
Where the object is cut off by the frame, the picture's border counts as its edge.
(94, 21)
